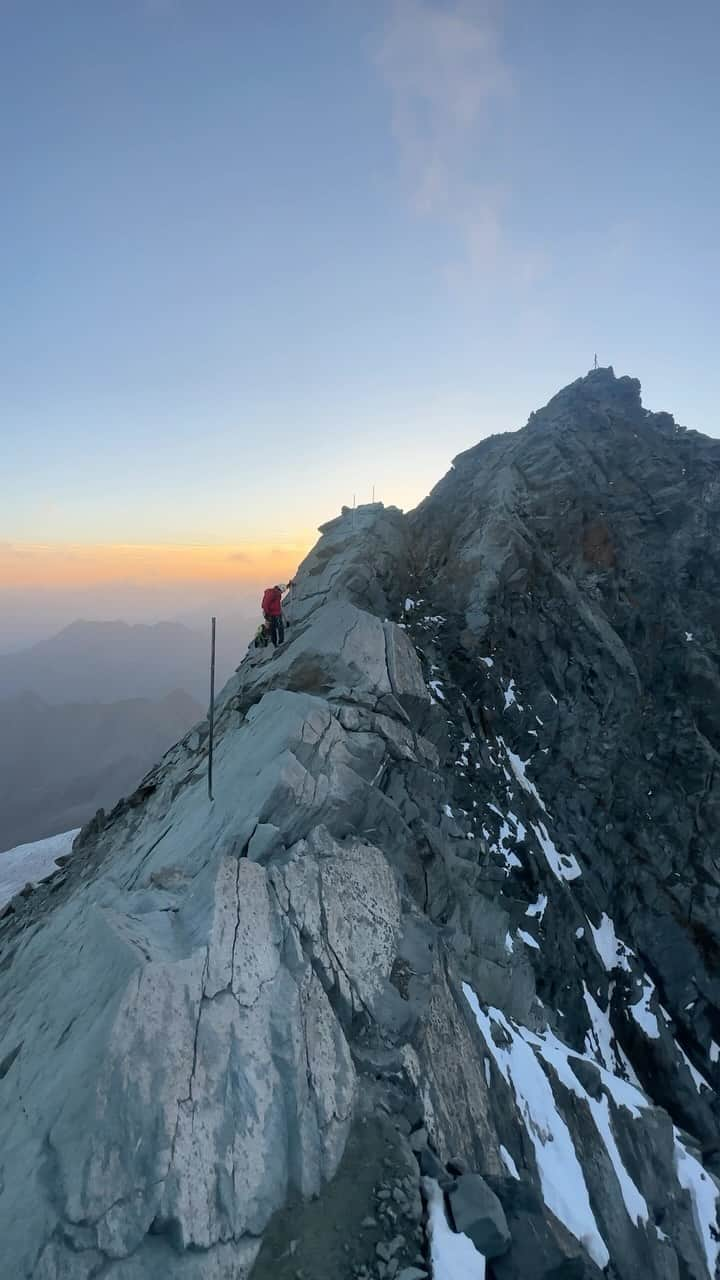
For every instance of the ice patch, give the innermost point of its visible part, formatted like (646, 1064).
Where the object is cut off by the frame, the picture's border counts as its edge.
(564, 865)
(509, 1163)
(453, 1255)
(30, 863)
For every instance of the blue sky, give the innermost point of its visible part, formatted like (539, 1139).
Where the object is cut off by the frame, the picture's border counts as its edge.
(257, 257)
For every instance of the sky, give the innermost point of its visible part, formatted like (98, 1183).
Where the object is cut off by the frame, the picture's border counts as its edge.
(258, 259)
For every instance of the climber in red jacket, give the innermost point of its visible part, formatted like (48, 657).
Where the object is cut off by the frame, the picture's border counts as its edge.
(272, 612)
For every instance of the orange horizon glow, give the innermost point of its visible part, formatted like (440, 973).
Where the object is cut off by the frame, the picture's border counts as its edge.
(90, 565)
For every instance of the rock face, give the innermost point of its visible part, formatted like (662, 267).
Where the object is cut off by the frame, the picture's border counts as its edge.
(448, 928)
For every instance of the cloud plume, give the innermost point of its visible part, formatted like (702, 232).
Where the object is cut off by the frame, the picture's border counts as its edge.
(443, 66)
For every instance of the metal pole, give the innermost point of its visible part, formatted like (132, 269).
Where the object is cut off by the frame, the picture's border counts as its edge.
(212, 707)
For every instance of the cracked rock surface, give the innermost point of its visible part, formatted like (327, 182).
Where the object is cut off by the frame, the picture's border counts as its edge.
(445, 943)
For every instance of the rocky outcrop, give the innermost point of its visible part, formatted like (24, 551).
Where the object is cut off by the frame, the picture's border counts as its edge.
(435, 968)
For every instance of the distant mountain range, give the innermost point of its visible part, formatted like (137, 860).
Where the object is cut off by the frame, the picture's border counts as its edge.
(108, 661)
(86, 712)
(59, 764)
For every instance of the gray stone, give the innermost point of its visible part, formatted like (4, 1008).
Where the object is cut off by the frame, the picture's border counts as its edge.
(431, 1166)
(418, 1139)
(478, 1213)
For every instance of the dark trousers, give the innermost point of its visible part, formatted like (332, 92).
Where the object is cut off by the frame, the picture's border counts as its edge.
(277, 628)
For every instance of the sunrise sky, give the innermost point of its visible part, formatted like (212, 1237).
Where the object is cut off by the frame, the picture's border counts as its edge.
(259, 258)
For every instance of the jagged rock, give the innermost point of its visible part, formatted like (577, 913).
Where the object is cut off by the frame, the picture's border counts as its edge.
(478, 1213)
(541, 1246)
(459, 870)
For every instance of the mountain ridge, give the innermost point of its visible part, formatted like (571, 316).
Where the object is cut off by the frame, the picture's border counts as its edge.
(108, 661)
(441, 953)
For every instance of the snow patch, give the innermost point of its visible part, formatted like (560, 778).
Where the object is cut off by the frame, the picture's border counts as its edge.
(704, 1196)
(519, 767)
(635, 1202)
(714, 1051)
(598, 1042)
(488, 662)
(436, 686)
(453, 1255)
(564, 865)
(642, 1013)
(613, 953)
(509, 1163)
(30, 863)
(698, 1078)
(558, 1056)
(561, 1176)
(538, 908)
(528, 939)
(510, 698)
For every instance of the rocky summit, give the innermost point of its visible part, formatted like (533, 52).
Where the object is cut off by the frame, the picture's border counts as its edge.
(431, 986)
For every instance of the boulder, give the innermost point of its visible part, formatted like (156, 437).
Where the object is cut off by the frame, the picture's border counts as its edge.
(477, 1212)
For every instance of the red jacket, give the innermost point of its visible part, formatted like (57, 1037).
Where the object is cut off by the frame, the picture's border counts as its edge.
(272, 602)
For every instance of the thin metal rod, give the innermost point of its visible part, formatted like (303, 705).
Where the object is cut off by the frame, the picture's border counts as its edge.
(212, 707)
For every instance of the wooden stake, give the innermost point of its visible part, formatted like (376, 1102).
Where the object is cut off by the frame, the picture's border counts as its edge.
(212, 708)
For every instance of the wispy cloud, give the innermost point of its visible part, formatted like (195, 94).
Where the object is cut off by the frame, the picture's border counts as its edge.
(443, 65)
